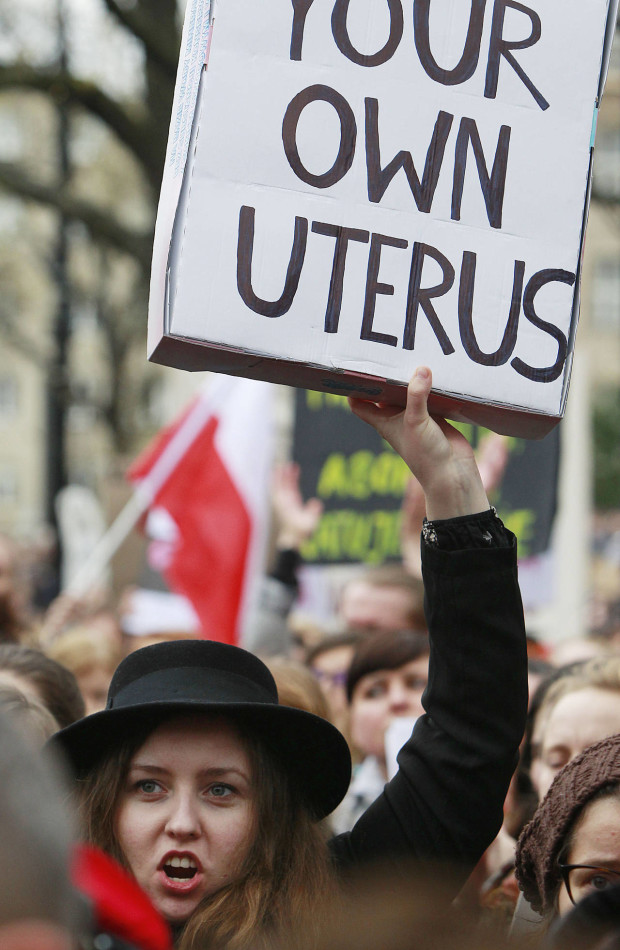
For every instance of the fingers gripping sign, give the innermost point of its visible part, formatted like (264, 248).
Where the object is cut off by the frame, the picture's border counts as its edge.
(438, 455)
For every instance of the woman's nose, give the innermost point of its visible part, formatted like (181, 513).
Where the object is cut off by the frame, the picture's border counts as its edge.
(183, 821)
(402, 700)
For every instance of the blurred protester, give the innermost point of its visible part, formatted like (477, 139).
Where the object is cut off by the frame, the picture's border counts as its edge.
(34, 720)
(376, 598)
(90, 610)
(329, 662)
(38, 909)
(295, 520)
(306, 634)
(571, 847)
(92, 659)
(297, 687)
(383, 598)
(38, 676)
(387, 677)
(14, 623)
(52, 898)
(408, 911)
(575, 649)
(581, 706)
(41, 567)
(154, 616)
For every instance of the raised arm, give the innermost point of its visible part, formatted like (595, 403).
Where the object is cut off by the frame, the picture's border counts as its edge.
(267, 632)
(445, 803)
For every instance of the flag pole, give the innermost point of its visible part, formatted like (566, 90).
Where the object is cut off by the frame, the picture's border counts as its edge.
(144, 492)
(107, 546)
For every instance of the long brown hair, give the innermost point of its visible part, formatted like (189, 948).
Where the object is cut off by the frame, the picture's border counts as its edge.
(284, 878)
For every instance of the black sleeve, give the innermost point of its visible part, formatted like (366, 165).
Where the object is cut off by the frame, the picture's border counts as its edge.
(286, 566)
(445, 803)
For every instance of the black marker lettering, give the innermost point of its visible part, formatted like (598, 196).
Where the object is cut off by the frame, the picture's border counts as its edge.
(421, 297)
(348, 135)
(549, 373)
(300, 12)
(379, 178)
(343, 236)
(499, 47)
(493, 185)
(245, 252)
(373, 287)
(343, 41)
(466, 322)
(466, 66)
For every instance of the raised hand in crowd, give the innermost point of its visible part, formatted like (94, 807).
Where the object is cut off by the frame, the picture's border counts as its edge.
(296, 519)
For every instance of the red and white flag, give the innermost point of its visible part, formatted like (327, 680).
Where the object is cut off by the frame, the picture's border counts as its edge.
(207, 476)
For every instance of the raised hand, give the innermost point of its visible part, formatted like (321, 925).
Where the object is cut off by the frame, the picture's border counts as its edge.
(296, 519)
(438, 455)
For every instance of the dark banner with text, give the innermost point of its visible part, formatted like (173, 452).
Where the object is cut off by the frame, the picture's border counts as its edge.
(361, 482)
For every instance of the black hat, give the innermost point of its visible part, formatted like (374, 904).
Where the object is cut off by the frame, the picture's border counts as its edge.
(205, 676)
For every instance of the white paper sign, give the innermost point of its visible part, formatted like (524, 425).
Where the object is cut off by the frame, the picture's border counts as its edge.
(375, 184)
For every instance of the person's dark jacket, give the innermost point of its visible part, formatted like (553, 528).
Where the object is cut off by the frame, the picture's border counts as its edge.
(445, 803)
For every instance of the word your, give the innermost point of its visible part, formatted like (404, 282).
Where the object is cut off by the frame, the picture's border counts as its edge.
(499, 47)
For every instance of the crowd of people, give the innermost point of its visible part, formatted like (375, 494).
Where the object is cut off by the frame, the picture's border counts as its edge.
(386, 785)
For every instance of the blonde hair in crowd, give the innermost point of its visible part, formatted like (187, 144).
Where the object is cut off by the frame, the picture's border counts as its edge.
(284, 879)
(601, 672)
(80, 651)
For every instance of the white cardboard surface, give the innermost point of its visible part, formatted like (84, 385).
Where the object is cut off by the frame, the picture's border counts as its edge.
(238, 160)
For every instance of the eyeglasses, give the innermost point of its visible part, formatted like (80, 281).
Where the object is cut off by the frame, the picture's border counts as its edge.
(583, 879)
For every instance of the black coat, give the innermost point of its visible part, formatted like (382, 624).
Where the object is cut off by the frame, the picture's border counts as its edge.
(446, 802)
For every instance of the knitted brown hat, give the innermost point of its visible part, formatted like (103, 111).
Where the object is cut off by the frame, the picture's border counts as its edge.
(542, 840)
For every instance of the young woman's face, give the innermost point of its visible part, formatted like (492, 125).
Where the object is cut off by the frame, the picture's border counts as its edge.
(186, 817)
(380, 697)
(596, 844)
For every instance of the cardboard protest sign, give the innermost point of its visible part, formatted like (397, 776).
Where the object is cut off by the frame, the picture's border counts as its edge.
(375, 184)
(361, 482)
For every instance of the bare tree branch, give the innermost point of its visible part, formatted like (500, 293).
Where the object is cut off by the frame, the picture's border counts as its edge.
(606, 199)
(101, 224)
(160, 48)
(133, 130)
(13, 336)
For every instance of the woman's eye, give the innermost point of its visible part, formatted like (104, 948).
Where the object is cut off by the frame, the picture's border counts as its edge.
(416, 683)
(221, 791)
(599, 882)
(375, 692)
(148, 785)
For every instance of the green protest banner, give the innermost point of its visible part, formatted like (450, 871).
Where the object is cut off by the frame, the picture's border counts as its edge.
(361, 482)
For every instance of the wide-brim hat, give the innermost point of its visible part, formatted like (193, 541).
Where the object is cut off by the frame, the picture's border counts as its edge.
(202, 676)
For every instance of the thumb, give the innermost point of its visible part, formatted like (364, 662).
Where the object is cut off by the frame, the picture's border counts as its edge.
(416, 411)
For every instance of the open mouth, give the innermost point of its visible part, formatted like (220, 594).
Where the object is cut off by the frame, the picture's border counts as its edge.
(180, 869)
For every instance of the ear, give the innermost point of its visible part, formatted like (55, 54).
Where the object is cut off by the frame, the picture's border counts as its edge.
(27, 934)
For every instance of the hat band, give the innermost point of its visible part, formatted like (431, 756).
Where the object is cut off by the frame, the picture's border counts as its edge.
(191, 684)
